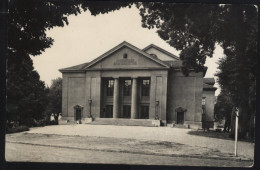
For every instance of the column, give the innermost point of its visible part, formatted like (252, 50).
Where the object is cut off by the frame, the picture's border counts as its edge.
(116, 98)
(134, 107)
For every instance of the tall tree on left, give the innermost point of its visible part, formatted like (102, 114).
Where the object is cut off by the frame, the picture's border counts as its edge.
(27, 24)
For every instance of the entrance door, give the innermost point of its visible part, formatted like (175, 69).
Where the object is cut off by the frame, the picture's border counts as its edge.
(180, 117)
(78, 114)
(109, 111)
(144, 112)
(126, 112)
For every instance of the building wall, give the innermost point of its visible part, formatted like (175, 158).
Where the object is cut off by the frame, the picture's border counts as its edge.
(93, 92)
(210, 103)
(185, 92)
(72, 86)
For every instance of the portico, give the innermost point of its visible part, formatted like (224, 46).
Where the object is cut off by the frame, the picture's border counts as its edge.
(133, 97)
(127, 95)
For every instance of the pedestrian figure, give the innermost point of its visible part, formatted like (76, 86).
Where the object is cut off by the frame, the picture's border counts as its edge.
(52, 119)
(60, 116)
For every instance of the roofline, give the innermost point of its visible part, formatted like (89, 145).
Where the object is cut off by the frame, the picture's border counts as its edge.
(124, 43)
(71, 68)
(210, 83)
(111, 69)
(71, 71)
(162, 50)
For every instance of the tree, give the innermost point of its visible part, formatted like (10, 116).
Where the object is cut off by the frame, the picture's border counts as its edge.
(196, 28)
(27, 25)
(223, 109)
(26, 94)
(54, 97)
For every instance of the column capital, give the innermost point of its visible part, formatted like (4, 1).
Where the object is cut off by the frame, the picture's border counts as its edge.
(115, 77)
(134, 77)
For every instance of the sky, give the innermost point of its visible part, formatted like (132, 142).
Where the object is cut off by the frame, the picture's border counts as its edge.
(87, 37)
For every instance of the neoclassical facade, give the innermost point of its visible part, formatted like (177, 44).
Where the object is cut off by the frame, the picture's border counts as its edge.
(127, 83)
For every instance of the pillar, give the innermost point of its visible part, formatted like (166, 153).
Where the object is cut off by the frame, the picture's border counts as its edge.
(116, 98)
(134, 107)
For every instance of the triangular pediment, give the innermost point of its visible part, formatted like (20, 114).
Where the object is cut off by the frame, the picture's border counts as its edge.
(126, 56)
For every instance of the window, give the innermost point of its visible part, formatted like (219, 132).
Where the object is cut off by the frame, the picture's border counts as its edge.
(110, 87)
(144, 112)
(127, 87)
(145, 87)
(126, 112)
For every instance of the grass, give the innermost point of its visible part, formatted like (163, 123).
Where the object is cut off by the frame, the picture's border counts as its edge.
(214, 134)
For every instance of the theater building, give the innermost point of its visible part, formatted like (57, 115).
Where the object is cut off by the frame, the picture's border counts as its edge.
(127, 83)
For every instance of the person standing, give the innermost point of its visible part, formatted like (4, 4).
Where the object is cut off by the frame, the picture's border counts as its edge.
(52, 119)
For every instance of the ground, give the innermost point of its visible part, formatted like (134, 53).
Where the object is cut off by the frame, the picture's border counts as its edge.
(124, 145)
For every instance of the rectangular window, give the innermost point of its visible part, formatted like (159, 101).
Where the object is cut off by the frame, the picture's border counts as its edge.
(127, 87)
(144, 112)
(110, 87)
(126, 112)
(145, 87)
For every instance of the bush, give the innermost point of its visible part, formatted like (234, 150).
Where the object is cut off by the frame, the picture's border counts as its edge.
(17, 129)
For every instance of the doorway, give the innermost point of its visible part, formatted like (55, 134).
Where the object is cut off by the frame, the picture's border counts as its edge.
(180, 117)
(78, 114)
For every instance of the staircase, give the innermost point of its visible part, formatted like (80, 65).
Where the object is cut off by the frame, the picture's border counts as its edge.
(122, 122)
(177, 125)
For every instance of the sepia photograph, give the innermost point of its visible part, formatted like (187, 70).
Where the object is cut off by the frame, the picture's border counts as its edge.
(131, 83)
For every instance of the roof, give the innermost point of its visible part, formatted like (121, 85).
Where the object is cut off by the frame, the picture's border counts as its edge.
(177, 64)
(174, 64)
(210, 81)
(124, 43)
(79, 67)
(162, 50)
(208, 87)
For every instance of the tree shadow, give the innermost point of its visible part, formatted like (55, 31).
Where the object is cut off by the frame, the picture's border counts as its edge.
(219, 135)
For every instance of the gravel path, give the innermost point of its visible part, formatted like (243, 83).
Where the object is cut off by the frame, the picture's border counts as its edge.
(177, 135)
(53, 154)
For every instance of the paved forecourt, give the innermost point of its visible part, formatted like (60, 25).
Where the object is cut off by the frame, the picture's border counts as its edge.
(177, 135)
(54, 154)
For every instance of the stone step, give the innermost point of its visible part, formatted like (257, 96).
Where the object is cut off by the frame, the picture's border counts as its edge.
(176, 125)
(122, 122)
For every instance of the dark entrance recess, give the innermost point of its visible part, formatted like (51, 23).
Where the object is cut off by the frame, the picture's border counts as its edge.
(78, 112)
(144, 112)
(108, 111)
(126, 112)
(180, 115)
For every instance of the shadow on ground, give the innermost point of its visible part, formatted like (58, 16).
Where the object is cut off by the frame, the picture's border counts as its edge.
(219, 135)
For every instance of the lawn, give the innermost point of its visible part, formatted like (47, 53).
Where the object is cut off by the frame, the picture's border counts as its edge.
(214, 134)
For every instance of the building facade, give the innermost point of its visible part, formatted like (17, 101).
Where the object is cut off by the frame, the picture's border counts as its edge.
(129, 83)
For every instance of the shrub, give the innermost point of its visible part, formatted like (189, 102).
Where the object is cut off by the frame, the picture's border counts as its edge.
(17, 129)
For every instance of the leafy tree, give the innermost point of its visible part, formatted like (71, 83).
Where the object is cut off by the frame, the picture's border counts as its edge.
(27, 25)
(196, 28)
(54, 97)
(223, 109)
(26, 94)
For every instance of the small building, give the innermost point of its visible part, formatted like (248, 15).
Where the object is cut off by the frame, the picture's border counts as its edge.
(129, 83)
